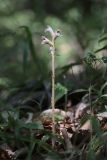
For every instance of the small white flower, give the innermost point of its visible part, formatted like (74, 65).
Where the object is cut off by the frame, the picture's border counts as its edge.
(54, 36)
(57, 34)
(46, 41)
(50, 30)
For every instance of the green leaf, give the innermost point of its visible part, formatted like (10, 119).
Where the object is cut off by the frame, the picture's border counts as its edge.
(95, 125)
(36, 125)
(98, 50)
(32, 146)
(102, 88)
(84, 119)
(91, 154)
(79, 91)
(103, 39)
(104, 96)
(35, 57)
(60, 90)
(30, 42)
(25, 56)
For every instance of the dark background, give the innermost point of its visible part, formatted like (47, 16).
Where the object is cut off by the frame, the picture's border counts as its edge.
(81, 23)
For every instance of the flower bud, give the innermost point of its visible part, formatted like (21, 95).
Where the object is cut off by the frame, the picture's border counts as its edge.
(50, 30)
(57, 34)
(46, 41)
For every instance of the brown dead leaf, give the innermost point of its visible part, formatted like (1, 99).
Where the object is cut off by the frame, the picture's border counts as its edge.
(87, 126)
(80, 109)
(102, 115)
(104, 127)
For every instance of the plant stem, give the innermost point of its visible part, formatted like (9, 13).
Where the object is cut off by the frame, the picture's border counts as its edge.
(51, 44)
(53, 93)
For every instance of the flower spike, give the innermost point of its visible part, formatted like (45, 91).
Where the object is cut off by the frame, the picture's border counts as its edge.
(52, 49)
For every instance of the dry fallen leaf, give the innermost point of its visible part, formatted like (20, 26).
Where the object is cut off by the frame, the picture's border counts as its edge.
(87, 126)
